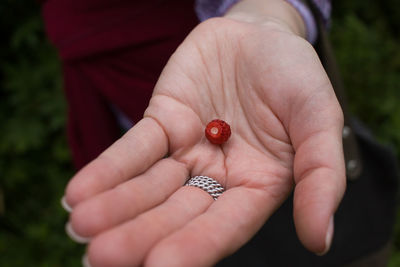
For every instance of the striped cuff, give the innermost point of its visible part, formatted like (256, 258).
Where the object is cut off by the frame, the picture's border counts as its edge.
(308, 18)
(206, 9)
(324, 7)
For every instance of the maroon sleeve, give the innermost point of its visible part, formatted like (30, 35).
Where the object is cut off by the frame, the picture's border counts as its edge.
(112, 53)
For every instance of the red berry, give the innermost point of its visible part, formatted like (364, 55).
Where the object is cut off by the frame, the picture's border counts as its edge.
(218, 132)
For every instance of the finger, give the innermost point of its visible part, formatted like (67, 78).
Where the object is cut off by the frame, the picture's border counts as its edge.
(131, 155)
(320, 185)
(318, 170)
(230, 222)
(129, 199)
(128, 244)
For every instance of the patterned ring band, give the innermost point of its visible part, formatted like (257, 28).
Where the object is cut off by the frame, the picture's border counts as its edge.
(208, 184)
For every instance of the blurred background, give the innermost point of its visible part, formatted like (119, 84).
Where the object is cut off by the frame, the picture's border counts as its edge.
(35, 163)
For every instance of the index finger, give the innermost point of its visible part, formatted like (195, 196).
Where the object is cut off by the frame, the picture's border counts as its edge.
(129, 156)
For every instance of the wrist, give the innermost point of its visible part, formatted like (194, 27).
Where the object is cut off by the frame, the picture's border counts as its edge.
(277, 13)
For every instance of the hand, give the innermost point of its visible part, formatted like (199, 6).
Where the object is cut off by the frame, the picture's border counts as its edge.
(269, 85)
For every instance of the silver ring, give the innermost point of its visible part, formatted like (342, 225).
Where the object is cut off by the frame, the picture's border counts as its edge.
(208, 184)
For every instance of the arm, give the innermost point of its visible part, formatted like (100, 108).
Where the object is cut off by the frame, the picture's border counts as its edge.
(252, 70)
(262, 11)
(207, 9)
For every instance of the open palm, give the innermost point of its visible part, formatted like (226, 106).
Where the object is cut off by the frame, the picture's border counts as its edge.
(286, 133)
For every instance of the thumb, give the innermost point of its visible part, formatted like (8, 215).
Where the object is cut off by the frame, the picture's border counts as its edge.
(319, 173)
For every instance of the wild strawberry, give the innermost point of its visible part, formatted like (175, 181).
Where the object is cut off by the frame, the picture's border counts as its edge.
(218, 132)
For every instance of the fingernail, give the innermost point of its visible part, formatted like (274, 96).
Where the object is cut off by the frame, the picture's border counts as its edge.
(65, 205)
(328, 237)
(85, 261)
(74, 236)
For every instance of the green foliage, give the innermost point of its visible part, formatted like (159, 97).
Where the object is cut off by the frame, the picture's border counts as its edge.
(34, 159)
(365, 37)
(370, 64)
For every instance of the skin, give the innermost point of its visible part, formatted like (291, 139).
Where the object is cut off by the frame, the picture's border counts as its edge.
(254, 70)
